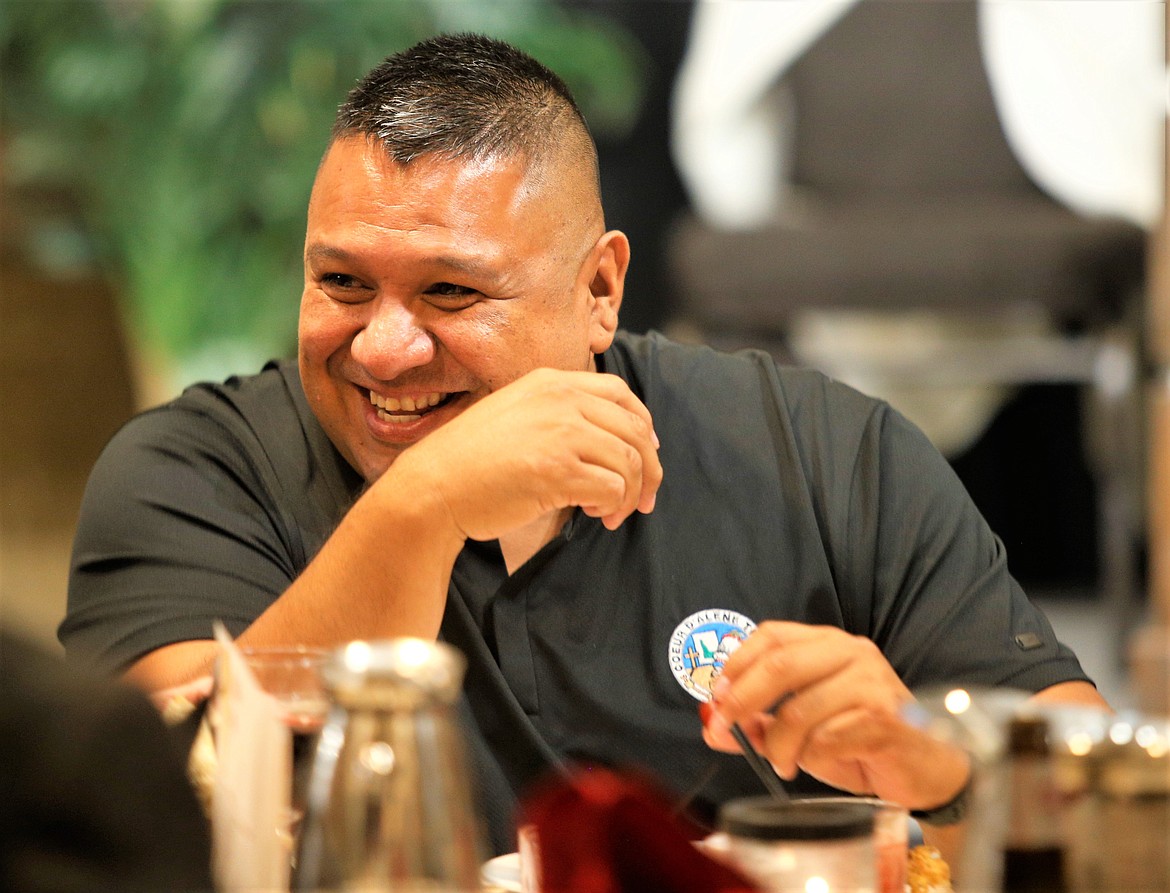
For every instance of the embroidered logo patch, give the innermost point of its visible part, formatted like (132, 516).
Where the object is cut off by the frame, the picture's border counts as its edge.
(701, 645)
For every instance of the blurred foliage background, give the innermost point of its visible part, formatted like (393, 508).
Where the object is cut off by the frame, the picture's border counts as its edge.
(186, 133)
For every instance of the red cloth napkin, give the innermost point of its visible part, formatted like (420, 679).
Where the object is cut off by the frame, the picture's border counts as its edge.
(599, 831)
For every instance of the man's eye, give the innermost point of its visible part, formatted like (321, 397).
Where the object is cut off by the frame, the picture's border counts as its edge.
(448, 295)
(339, 280)
(345, 288)
(449, 289)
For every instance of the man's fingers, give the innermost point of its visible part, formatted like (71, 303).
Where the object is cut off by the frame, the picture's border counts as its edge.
(757, 680)
(804, 718)
(609, 481)
(770, 635)
(617, 391)
(801, 680)
(631, 453)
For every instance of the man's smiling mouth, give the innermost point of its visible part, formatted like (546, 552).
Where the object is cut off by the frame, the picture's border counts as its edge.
(407, 409)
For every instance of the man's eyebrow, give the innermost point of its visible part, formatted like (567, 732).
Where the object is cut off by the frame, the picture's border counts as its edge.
(321, 252)
(473, 266)
(325, 253)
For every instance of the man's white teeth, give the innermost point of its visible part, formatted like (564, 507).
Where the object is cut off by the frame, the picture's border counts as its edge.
(396, 419)
(388, 405)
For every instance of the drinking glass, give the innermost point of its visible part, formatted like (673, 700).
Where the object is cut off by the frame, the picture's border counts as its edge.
(292, 676)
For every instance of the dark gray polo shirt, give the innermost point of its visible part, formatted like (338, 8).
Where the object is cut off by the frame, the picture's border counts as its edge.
(785, 496)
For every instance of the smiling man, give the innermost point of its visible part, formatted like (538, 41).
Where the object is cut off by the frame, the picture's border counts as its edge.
(468, 448)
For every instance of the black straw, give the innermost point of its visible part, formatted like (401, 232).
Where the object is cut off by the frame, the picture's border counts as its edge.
(760, 766)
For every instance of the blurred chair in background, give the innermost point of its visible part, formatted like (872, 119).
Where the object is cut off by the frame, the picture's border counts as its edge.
(860, 209)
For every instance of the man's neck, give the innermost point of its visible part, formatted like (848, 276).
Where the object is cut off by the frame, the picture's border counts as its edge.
(521, 544)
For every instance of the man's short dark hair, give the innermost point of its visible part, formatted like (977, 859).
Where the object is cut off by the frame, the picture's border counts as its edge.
(463, 96)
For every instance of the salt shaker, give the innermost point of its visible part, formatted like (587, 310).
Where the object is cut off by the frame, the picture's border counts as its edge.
(801, 846)
(390, 802)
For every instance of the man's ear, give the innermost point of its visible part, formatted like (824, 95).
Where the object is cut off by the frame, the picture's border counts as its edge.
(605, 289)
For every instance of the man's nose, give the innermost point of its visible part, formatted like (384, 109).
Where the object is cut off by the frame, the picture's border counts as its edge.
(392, 341)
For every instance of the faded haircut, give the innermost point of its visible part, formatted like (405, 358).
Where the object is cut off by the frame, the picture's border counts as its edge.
(468, 96)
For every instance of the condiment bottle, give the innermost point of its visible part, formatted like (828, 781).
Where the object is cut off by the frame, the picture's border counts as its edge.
(390, 804)
(1033, 853)
(801, 846)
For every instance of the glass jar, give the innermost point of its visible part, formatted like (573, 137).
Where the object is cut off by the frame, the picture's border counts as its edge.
(801, 846)
(891, 836)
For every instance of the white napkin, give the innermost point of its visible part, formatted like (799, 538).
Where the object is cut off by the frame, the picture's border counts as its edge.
(250, 805)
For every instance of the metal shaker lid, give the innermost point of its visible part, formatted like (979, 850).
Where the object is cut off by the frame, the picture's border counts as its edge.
(394, 673)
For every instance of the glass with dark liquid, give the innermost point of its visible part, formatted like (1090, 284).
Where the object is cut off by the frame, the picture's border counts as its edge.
(1033, 854)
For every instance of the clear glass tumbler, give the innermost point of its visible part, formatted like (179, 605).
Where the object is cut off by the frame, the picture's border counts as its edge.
(292, 676)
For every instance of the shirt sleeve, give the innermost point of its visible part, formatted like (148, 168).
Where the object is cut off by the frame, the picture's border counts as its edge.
(176, 530)
(938, 595)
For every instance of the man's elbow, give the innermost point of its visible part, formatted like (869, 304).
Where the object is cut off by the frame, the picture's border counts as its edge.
(173, 666)
(1077, 693)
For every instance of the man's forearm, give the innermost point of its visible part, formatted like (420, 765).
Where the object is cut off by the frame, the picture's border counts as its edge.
(383, 573)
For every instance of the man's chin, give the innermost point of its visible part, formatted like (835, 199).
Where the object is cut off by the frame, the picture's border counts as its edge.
(372, 467)
(370, 461)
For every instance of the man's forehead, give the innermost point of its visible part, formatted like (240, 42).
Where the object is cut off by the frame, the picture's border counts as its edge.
(366, 156)
(493, 196)
(360, 171)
